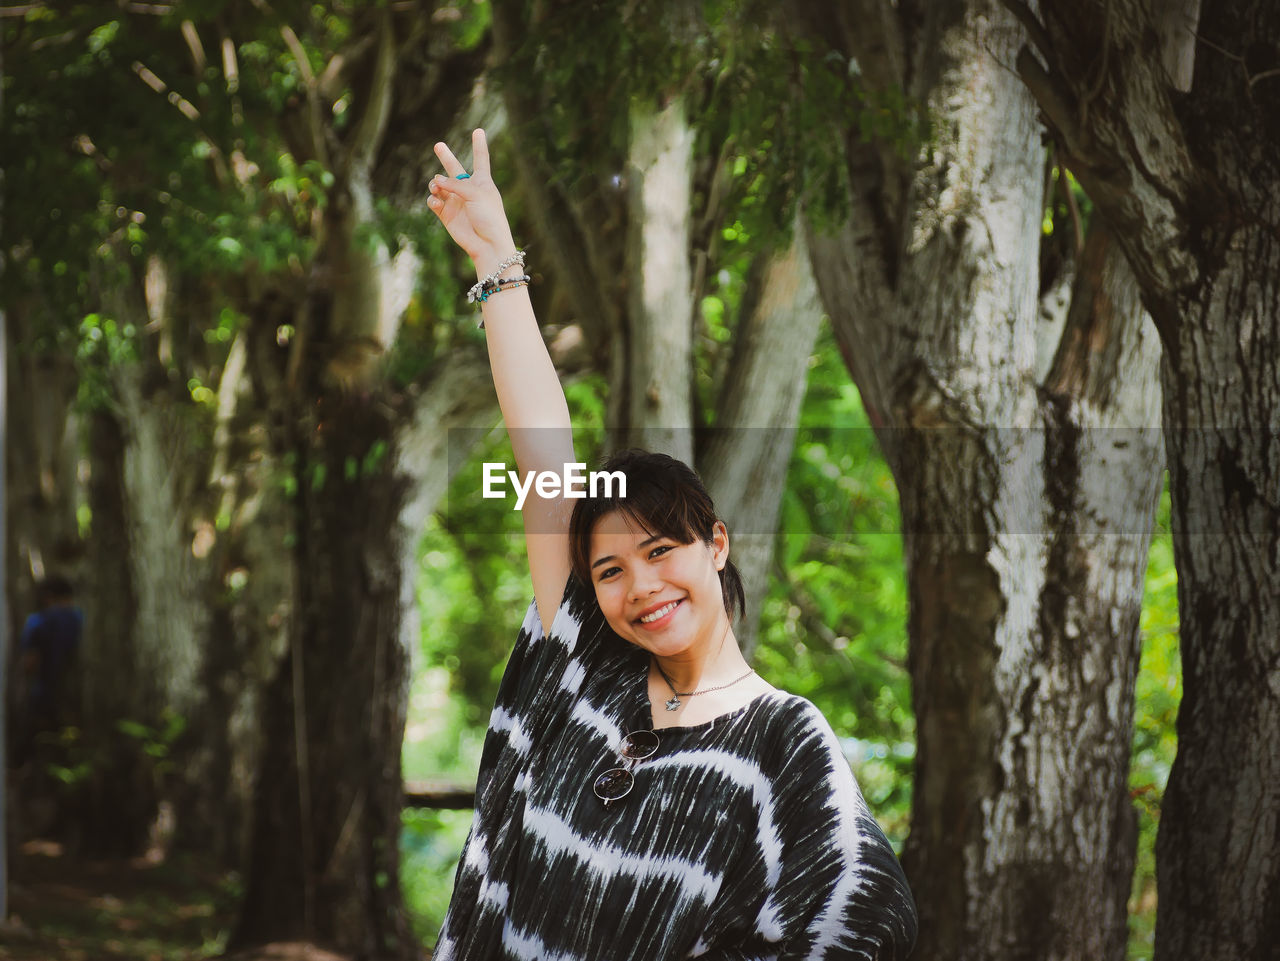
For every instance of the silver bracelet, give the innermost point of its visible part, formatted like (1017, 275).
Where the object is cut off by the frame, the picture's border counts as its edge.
(489, 285)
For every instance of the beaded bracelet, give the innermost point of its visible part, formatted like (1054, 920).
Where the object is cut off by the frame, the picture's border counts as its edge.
(489, 285)
(506, 283)
(503, 283)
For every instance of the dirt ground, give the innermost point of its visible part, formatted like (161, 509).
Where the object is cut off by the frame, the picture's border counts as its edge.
(63, 909)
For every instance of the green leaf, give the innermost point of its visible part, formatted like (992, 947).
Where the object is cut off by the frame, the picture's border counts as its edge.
(133, 729)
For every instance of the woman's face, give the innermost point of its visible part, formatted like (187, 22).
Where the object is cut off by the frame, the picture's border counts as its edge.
(655, 592)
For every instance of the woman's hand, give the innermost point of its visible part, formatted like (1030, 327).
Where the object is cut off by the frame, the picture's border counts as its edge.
(471, 208)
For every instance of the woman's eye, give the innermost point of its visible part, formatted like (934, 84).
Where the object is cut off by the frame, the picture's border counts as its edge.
(659, 551)
(608, 572)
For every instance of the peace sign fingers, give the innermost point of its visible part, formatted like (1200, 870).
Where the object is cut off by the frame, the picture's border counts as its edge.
(451, 164)
(480, 152)
(471, 208)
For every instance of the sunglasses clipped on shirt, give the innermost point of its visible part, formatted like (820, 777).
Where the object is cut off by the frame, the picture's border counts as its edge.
(616, 783)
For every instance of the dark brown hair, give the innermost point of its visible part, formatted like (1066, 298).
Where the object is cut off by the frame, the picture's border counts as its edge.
(664, 497)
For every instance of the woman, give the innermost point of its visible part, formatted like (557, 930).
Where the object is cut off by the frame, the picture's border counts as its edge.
(643, 794)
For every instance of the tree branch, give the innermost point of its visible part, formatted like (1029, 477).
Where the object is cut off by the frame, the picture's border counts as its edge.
(315, 125)
(1054, 100)
(579, 257)
(1178, 44)
(192, 37)
(373, 120)
(1036, 31)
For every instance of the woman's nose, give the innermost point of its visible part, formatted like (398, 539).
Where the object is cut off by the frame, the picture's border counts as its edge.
(644, 584)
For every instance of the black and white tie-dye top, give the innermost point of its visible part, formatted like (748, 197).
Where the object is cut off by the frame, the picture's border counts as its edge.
(743, 838)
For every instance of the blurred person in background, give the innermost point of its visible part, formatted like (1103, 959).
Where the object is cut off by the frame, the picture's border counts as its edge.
(47, 651)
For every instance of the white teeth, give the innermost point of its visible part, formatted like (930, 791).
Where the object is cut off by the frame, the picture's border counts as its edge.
(660, 612)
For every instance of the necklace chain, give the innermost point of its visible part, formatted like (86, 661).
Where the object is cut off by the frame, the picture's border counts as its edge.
(674, 702)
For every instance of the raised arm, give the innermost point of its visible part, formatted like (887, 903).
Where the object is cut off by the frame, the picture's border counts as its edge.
(529, 392)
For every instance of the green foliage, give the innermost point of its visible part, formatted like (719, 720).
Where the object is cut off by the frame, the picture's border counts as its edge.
(156, 742)
(782, 104)
(1158, 695)
(72, 759)
(467, 22)
(429, 848)
(776, 104)
(69, 763)
(103, 344)
(437, 320)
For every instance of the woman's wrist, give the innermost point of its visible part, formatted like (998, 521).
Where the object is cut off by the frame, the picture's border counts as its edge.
(488, 260)
(499, 279)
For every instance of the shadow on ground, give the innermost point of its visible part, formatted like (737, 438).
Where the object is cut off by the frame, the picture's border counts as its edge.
(65, 909)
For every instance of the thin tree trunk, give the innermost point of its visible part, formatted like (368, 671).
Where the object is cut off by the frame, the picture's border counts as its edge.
(659, 399)
(162, 477)
(745, 463)
(42, 453)
(450, 419)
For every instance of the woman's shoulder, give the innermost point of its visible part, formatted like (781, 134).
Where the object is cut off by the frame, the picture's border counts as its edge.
(577, 622)
(791, 715)
(577, 617)
(794, 734)
(576, 645)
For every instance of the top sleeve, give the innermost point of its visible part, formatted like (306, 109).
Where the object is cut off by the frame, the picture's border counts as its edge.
(840, 892)
(530, 703)
(542, 668)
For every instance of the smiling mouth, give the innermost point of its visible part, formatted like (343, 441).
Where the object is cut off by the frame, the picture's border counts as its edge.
(660, 613)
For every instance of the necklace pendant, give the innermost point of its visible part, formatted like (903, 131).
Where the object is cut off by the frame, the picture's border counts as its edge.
(673, 704)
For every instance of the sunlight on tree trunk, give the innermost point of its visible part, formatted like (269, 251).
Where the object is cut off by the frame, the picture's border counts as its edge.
(1193, 203)
(1023, 620)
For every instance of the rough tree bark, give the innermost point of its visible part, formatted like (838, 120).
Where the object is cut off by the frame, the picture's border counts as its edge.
(324, 862)
(1025, 567)
(324, 852)
(1191, 185)
(145, 621)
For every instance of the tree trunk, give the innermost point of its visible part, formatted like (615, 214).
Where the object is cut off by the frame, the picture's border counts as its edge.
(1217, 875)
(1194, 203)
(1024, 567)
(325, 859)
(163, 477)
(745, 463)
(44, 441)
(659, 401)
(1217, 871)
(450, 419)
(118, 800)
